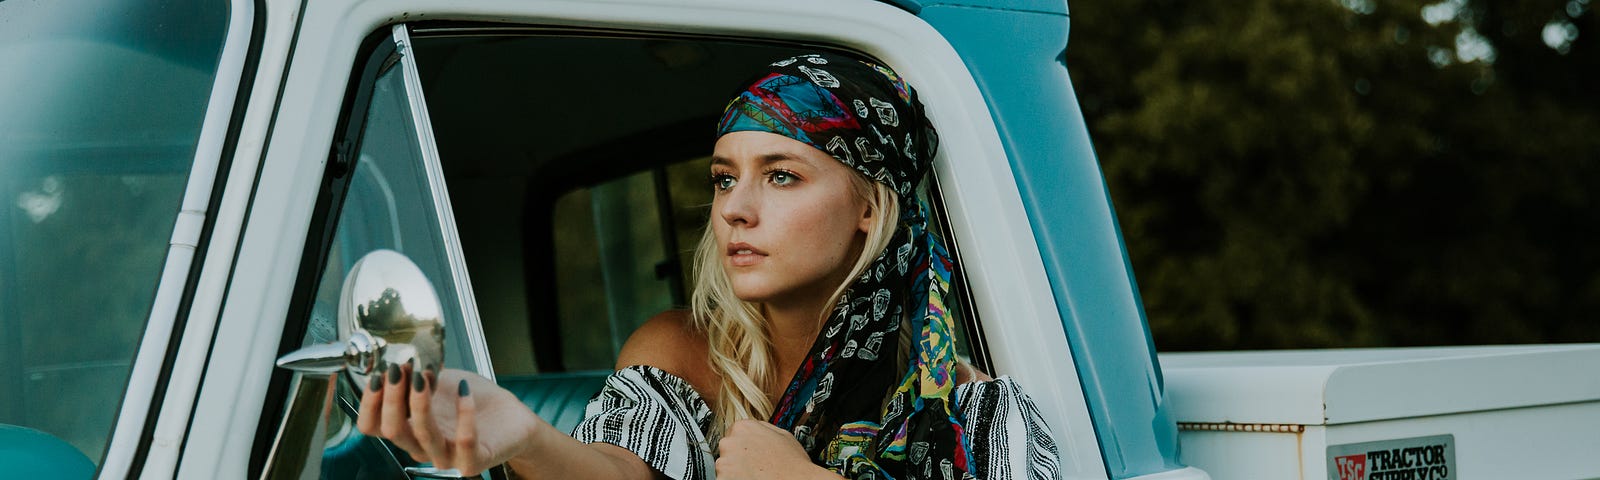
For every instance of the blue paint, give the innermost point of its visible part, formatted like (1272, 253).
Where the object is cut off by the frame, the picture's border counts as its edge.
(1017, 59)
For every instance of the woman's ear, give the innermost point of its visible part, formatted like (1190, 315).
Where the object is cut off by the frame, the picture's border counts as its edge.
(865, 224)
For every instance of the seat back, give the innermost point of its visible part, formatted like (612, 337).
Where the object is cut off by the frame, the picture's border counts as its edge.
(558, 398)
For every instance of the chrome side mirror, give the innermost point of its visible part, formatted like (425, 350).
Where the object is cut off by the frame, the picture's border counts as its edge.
(388, 313)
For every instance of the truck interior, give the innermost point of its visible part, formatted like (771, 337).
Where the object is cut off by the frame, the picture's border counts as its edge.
(576, 164)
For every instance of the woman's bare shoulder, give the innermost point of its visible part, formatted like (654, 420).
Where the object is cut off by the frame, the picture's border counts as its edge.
(669, 341)
(966, 373)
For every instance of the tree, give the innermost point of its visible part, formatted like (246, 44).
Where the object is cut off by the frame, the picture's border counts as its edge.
(1307, 173)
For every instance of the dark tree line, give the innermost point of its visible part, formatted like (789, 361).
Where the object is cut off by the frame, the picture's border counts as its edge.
(1317, 173)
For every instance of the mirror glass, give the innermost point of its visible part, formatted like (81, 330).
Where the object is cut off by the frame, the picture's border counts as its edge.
(388, 298)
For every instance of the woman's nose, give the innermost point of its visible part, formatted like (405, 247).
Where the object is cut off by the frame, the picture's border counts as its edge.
(738, 205)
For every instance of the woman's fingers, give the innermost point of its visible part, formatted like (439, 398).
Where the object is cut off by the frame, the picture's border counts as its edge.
(423, 426)
(465, 444)
(397, 404)
(371, 401)
(393, 422)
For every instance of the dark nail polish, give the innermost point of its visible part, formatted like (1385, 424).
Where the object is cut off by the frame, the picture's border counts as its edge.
(462, 390)
(416, 381)
(430, 368)
(376, 383)
(394, 374)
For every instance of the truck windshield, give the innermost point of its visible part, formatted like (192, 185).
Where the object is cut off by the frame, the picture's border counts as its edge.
(101, 105)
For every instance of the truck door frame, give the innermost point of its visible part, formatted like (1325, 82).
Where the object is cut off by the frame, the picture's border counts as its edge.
(1000, 254)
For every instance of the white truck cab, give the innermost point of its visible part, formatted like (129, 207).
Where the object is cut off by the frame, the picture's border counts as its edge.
(188, 187)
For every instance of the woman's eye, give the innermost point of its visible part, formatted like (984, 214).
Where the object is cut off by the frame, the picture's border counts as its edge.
(782, 178)
(722, 182)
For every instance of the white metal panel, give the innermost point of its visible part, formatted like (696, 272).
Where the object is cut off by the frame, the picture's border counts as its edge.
(1316, 387)
(1550, 442)
(229, 404)
(1244, 394)
(1243, 456)
(184, 384)
(1185, 473)
(1465, 380)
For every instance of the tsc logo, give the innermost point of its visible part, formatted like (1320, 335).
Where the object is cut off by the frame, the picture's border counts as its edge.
(1352, 467)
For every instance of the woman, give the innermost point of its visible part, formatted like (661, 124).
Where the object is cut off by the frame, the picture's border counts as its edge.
(817, 345)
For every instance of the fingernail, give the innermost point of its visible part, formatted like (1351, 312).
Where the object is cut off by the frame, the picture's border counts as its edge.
(462, 390)
(429, 368)
(416, 381)
(394, 373)
(376, 383)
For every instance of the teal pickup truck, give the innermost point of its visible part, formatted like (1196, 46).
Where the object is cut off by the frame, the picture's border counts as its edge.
(187, 185)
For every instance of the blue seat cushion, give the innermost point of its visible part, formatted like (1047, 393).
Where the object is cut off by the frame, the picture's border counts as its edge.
(29, 453)
(558, 398)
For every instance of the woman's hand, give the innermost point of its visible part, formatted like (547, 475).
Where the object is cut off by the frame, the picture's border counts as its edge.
(756, 449)
(458, 420)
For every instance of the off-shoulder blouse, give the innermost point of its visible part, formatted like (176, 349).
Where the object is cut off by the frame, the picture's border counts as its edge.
(663, 419)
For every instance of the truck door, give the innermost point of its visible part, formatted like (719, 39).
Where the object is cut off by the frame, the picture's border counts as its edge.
(384, 191)
(526, 165)
(1015, 51)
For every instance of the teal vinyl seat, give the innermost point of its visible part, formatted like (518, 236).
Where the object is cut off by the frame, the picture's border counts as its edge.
(558, 398)
(29, 453)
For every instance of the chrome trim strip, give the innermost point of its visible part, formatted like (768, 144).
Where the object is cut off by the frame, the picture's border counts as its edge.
(146, 371)
(441, 205)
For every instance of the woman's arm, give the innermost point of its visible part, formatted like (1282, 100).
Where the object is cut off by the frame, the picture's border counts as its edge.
(487, 426)
(579, 460)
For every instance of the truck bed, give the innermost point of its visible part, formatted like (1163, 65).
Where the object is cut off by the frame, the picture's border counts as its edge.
(1481, 412)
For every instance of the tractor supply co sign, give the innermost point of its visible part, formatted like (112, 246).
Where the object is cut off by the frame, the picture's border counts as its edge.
(1419, 458)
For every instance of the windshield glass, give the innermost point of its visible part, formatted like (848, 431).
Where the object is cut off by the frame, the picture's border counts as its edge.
(101, 104)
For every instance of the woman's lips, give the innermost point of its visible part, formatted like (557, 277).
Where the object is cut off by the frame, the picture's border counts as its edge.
(743, 254)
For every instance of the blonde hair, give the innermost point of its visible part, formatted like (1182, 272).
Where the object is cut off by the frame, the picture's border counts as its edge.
(740, 348)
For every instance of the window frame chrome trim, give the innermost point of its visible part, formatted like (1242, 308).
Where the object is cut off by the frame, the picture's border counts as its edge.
(471, 320)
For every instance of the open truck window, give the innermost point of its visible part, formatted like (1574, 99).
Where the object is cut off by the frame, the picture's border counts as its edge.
(551, 184)
(577, 164)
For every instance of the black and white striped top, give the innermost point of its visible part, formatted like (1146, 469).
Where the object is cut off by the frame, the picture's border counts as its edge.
(662, 418)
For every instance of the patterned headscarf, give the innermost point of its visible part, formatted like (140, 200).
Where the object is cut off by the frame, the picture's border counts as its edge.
(847, 404)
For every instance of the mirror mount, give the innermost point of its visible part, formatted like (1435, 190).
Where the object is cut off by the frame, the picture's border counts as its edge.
(359, 355)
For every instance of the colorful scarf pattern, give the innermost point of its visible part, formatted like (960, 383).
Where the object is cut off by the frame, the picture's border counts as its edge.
(848, 404)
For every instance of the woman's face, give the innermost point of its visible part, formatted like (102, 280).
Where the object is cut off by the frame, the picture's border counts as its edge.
(785, 216)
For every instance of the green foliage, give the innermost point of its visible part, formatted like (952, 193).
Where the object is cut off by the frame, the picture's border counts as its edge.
(1311, 173)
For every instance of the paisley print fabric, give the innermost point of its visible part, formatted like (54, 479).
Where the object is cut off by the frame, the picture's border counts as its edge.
(661, 418)
(848, 404)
